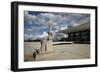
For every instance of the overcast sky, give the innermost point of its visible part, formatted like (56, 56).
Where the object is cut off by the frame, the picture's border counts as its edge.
(36, 23)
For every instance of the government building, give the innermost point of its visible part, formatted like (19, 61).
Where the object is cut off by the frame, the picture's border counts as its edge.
(79, 33)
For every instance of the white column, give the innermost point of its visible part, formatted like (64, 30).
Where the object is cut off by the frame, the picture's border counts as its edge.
(49, 42)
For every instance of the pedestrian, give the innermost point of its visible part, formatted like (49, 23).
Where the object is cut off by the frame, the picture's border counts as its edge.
(34, 55)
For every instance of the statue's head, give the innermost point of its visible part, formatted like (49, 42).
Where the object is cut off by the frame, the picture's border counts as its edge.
(50, 34)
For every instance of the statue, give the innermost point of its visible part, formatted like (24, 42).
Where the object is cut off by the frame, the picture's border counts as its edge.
(43, 44)
(46, 42)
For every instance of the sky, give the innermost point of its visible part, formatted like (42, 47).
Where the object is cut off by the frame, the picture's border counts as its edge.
(36, 23)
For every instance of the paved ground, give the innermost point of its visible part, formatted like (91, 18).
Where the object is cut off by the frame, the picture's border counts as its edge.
(60, 52)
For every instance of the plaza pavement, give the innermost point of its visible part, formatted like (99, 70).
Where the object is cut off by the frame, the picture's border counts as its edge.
(60, 52)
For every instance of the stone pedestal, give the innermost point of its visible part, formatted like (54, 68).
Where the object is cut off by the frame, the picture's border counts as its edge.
(46, 43)
(49, 46)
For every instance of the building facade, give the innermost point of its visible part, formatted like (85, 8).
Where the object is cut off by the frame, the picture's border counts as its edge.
(79, 34)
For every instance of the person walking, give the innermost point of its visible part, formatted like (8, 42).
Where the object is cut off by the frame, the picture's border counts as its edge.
(34, 55)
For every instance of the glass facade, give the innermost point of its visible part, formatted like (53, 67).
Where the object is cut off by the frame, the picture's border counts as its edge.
(80, 36)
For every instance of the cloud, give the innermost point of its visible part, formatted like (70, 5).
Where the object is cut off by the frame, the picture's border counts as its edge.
(35, 36)
(53, 18)
(28, 30)
(29, 18)
(27, 36)
(44, 34)
(60, 21)
(48, 18)
(59, 36)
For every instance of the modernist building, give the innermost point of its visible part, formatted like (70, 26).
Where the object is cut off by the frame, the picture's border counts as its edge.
(79, 33)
